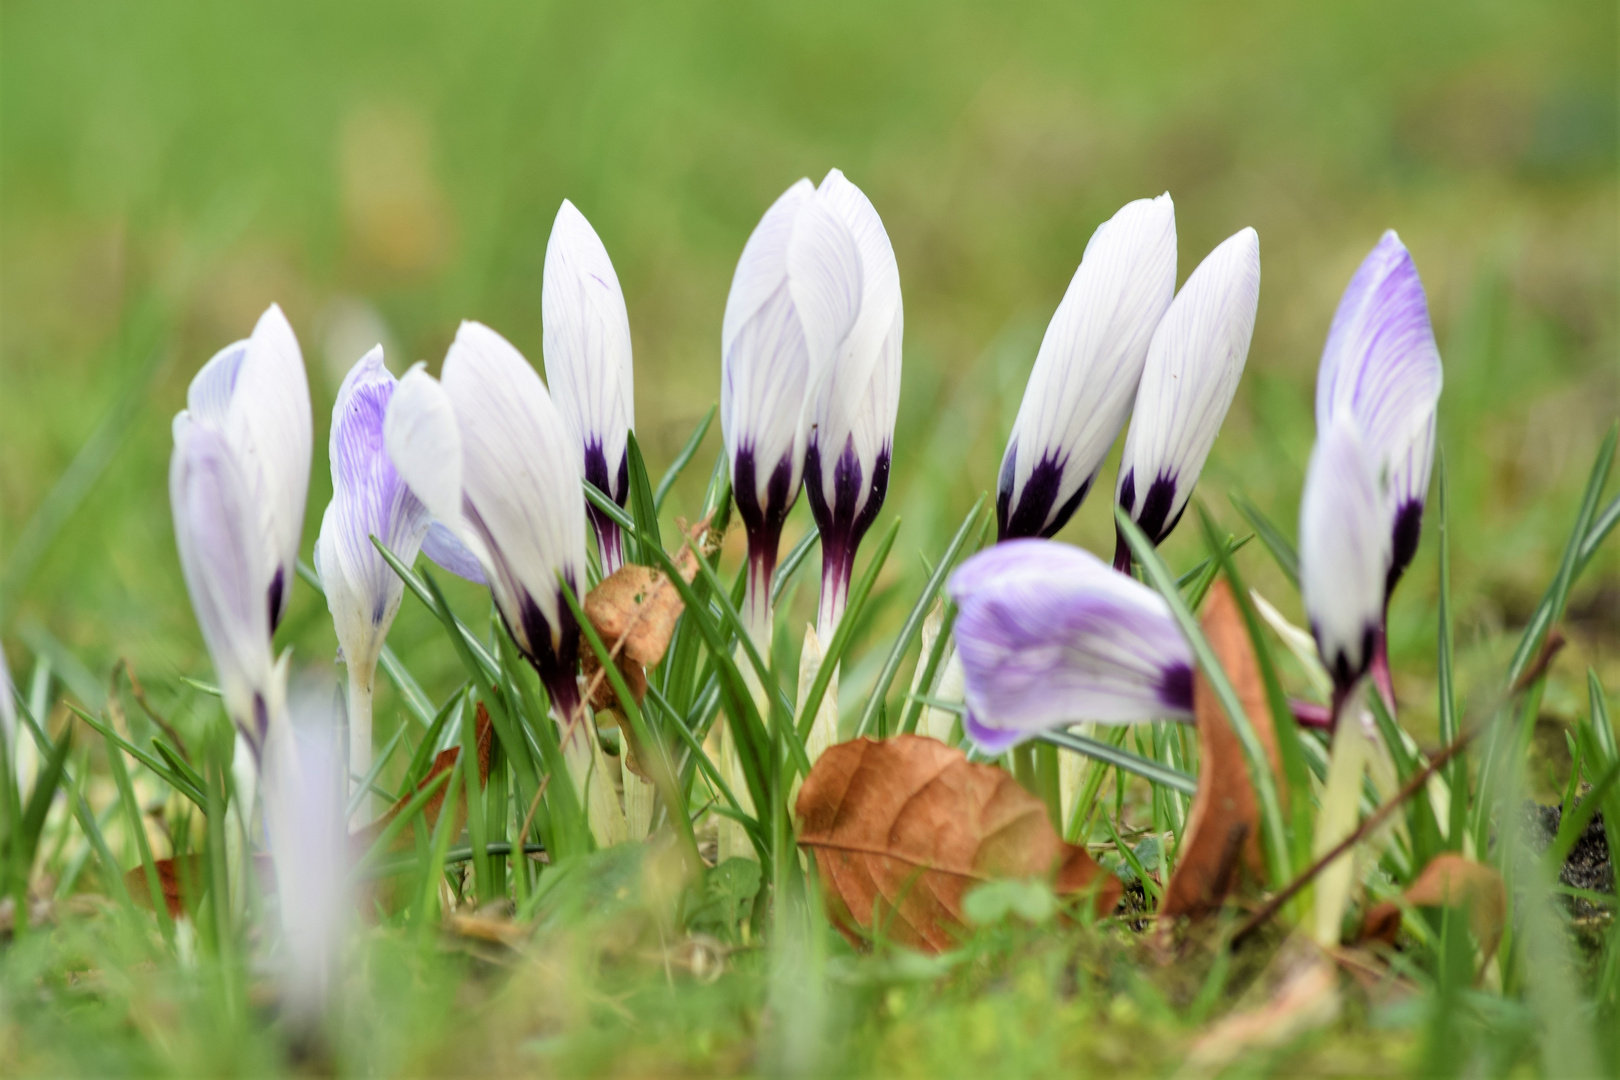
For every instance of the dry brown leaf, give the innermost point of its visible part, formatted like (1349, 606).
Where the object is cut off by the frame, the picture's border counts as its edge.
(362, 839)
(902, 828)
(184, 881)
(1222, 838)
(638, 606)
(1450, 880)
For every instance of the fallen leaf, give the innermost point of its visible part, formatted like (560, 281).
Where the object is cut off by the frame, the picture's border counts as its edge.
(185, 880)
(1449, 880)
(1222, 838)
(902, 829)
(603, 696)
(362, 839)
(638, 606)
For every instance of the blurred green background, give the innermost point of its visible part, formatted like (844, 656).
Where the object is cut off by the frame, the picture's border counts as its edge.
(384, 170)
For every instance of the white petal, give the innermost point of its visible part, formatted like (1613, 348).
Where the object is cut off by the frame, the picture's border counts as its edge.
(1192, 371)
(424, 442)
(520, 475)
(221, 544)
(587, 339)
(1085, 377)
(1343, 550)
(270, 417)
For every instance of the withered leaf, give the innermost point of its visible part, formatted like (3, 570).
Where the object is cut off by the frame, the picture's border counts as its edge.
(1449, 880)
(638, 606)
(1222, 838)
(902, 828)
(361, 840)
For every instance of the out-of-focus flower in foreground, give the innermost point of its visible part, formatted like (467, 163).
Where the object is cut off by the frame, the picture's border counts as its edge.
(1048, 636)
(484, 449)
(588, 367)
(1192, 371)
(1086, 373)
(238, 476)
(1381, 367)
(368, 499)
(794, 298)
(1343, 552)
(853, 406)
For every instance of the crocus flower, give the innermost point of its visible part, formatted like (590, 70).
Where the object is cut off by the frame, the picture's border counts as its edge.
(368, 499)
(1084, 380)
(487, 453)
(1048, 636)
(1344, 548)
(1381, 367)
(795, 295)
(254, 392)
(238, 477)
(587, 357)
(852, 408)
(1192, 371)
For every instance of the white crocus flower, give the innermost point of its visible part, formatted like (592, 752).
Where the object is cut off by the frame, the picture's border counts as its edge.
(255, 393)
(794, 297)
(588, 367)
(368, 499)
(853, 406)
(1192, 370)
(486, 451)
(1086, 373)
(1343, 551)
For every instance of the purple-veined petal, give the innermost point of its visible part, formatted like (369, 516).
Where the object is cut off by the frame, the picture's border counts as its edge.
(1381, 366)
(1192, 371)
(368, 499)
(520, 490)
(588, 363)
(218, 531)
(1048, 636)
(1086, 373)
(1343, 551)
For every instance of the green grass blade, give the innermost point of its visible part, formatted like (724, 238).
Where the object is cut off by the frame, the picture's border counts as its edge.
(936, 656)
(410, 690)
(1153, 772)
(683, 459)
(790, 565)
(464, 639)
(1276, 541)
(136, 824)
(642, 502)
(160, 769)
(913, 624)
(846, 630)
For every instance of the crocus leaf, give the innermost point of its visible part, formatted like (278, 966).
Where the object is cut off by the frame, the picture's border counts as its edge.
(901, 829)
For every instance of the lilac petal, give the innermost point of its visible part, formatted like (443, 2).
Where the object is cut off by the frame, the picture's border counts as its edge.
(1049, 635)
(441, 545)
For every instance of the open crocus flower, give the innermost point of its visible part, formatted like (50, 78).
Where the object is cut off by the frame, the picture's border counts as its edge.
(1192, 371)
(1381, 367)
(255, 394)
(587, 358)
(1084, 380)
(1343, 551)
(795, 295)
(368, 499)
(486, 452)
(1048, 636)
(852, 408)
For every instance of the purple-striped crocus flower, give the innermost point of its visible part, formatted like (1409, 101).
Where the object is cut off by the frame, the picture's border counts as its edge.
(486, 452)
(853, 407)
(794, 297)
(1344, 545)
(588, 368)
(238, 476)
(1086, 373)
(1049, 636)
(1381, 367)
(1192, 371)
(368, 499)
